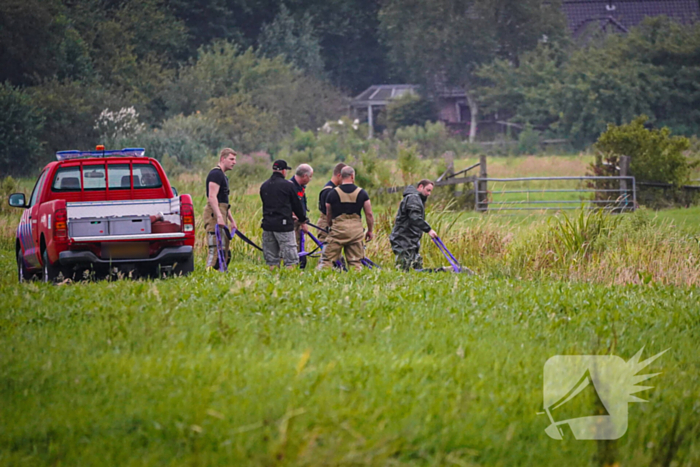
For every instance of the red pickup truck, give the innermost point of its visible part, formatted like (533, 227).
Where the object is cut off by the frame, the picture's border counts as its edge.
(105, 211)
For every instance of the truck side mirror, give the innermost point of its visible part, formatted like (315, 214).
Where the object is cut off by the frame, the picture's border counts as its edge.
(17, 200)
(174, 190)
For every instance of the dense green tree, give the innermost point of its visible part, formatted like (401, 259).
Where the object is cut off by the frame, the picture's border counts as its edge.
(441, 43)
(71, 109)
(38, 40)
(206, 21)
(253, 100)
(294, 39)
(653, 70)
(20, 127)
(349, 34)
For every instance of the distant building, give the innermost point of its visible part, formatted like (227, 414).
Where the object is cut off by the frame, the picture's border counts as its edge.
(451, 103)
(619, 16)
(582, 16)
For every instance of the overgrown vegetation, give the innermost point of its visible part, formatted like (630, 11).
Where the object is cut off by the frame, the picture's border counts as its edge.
(318, 367)
(576, 92)
(259, 367)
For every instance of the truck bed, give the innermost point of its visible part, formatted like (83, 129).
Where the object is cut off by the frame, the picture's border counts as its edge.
(101, 221)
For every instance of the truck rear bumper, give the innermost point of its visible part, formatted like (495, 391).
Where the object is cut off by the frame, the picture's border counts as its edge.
(168, 255)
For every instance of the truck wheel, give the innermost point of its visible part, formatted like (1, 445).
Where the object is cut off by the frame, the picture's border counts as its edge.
(51, 272)
(184, 268)
(22, 274)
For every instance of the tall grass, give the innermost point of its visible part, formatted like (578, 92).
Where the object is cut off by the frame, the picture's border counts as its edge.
(376, 368)
(583, 246)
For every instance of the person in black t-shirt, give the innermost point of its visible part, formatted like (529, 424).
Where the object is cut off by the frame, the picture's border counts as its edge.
(217, 210)
(328, 187)
(344, 207)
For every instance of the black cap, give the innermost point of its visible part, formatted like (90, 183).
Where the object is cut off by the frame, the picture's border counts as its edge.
(280, 165)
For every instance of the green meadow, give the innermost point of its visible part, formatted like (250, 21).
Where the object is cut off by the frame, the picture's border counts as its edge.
(375, 368)
(320, 368)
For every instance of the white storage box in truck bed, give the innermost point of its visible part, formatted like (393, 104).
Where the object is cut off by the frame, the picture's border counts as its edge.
(120, 220)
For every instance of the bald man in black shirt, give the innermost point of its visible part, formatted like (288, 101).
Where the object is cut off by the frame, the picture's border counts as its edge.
(344, 207)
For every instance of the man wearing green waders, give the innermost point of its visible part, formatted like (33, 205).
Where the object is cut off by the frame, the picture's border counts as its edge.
(410, 225)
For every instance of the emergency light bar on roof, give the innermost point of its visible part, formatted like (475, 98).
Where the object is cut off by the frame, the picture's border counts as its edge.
(126, 152)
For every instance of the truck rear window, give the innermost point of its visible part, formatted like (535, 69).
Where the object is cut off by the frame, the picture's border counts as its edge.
(94, 177)
(146, 176)
(119, 176)
(67, 179)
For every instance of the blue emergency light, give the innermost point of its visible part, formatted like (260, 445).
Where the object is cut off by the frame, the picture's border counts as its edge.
(126, 152)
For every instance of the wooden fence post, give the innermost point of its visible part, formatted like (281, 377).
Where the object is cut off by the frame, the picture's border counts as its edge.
(482, 195)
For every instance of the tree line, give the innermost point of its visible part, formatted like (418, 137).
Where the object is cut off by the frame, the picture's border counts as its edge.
(202, 73)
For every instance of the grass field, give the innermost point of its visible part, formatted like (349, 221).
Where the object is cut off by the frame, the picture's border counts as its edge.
(259, 368)
(375, 368)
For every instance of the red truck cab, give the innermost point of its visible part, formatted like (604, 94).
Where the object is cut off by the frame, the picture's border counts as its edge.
(105, 211)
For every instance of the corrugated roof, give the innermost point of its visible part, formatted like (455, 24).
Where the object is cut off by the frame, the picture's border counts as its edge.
(379, 94)
(624, 14)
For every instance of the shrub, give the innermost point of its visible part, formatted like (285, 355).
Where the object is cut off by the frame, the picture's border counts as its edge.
(655, 154)
(528, 141)
(187, 140)
(409, 163)
(433, 140)
(408, 110)
(116, 125)
(250, 168)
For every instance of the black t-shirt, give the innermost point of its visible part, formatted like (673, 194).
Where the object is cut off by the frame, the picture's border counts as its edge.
(338, 208)
(323, 195)
(217, 176)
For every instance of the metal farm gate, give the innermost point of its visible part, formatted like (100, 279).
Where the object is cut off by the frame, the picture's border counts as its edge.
(616, 193)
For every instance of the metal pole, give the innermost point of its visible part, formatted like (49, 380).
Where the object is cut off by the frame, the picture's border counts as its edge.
(483, 185)
(370, 120)
(624, 169)
(476, 195)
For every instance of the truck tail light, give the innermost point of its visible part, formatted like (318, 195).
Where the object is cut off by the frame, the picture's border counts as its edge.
(187, 217)
(60, 224)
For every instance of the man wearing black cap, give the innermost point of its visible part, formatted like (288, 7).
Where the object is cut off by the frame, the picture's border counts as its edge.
(280, 204)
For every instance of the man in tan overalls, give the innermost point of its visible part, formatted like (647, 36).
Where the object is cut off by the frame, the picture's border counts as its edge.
(327, 188)
(344, 206)
(217, 210)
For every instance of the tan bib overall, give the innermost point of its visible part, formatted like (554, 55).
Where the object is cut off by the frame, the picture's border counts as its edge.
(346, 235)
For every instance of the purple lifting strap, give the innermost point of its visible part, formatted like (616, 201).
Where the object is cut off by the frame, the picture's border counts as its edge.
(450, 258)
(220, 249)
(303, 253)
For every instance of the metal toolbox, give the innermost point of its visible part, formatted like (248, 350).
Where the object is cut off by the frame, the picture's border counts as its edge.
(87, 228)
(134, 225)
